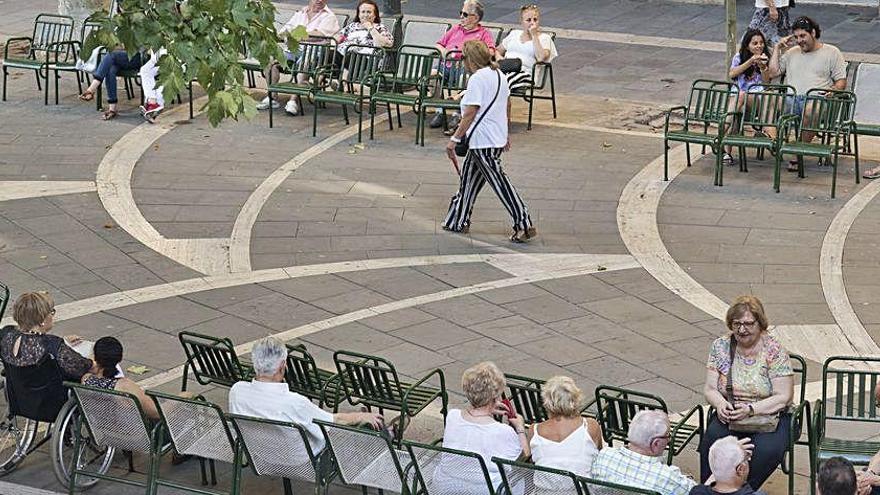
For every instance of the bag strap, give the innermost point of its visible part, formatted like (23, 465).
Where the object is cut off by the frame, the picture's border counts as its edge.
(729, 388)
(474, 127)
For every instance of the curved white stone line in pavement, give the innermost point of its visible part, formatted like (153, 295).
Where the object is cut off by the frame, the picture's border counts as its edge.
(526, 269)
(21, 189)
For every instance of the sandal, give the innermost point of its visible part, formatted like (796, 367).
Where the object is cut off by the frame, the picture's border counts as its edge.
(521, 236)
(792, 166)
(87, 95)
(110, 115)
(874, 173)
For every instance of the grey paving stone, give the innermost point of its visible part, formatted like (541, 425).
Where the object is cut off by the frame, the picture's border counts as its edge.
(414, 360)
(580, 289)
(463, 274)
(388, 322)
(166, 315)
(482, 349)
(312, 288)
(66, 274)
(677, 398)
(351, 301)
(512, 330)
(131, 276)
(397, 283)
(94, 326)
(154, 348)
(623, 309)
(684, 310)
(221, 298)
(635, 348)
(546, 309)
(665, 329)
(465, 310)
(436, 334)
(726, 272)
(237, 329)
(100, 258)
(561, 351)
(90, 289)
(590, 329)
(610, 370)
(687, 371)
(277, 311)
(353, 337)
(39, 256)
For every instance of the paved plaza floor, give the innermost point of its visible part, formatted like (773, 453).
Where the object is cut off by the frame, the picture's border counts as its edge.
(141, 231)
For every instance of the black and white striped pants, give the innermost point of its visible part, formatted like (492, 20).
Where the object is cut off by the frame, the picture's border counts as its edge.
(480, 166)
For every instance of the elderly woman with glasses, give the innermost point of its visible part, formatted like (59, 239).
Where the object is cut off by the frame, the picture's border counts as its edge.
(30, 342)
(528, 45)
(749, 383)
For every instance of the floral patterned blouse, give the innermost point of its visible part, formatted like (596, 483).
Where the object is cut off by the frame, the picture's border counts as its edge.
(751, 377)
(35, 346)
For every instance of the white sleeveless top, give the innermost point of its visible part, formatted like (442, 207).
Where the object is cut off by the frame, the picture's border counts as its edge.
(574, 453)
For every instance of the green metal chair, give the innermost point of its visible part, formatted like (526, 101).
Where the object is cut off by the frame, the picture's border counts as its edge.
(423, 33)
(313, 56)
(212, 360)
(446, 89)
(469, 468)
(520, 478)
(304, 377)
(830, 117)
(497, 32)
(366, 458)
(543, 72)
(48, 45)
(353, 84)
(114, 420)
(616, 407)
(372, 381)
(869, 106)
(4, 299)
(590, 486)
(761, 112)
(197, 428)
(405, 86)
(278, 448)
(704, 117)
(342, 19)
(848, 384)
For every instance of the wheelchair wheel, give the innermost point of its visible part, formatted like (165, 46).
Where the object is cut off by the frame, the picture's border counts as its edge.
(90, 456)
(16, 437)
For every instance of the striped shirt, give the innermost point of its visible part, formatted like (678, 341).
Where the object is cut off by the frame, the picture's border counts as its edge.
(623, 466)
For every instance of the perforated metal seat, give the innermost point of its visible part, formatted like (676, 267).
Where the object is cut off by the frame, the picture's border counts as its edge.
(442, 471)
(366, 458)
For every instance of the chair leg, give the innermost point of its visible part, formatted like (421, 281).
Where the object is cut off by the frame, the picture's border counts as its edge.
(345, 114)
(39, 85)
(856, 157)
(315, 120)
(687, 148)
(745, 160)
(213, 472)
(399, 122)
(390, 118)
(5, 73)
(360, 130)
(46, 89)
(190, 89)
(834, 175)
(776, 171)
(57, 77)
(531, 107)
(79, 81)
(270, 110)
(288, 489)
(372, 120)
(719, 169)
(665, 160)
(552, 92)
(800, 159)
(202, 471)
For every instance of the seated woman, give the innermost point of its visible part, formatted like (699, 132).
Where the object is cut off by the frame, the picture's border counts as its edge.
(475, 429)
(366, 30)
(749, 69)
(110, 65)
(528, 45)
(105, 374)
(565, 440)
(749, 383)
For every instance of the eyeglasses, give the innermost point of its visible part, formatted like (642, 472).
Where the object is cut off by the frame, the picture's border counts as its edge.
(464, 14)
(740, 324)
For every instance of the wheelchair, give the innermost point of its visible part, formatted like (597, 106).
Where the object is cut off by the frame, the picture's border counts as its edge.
(38, 405)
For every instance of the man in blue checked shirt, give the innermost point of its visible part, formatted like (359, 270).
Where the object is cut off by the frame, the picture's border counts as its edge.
(639, 464)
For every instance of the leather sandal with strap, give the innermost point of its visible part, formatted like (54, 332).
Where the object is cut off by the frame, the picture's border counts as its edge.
(87, 95)
(110, 115)
(521, 236)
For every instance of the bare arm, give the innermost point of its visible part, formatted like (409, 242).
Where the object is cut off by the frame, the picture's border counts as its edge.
(714, 397)
(775, 70)
(541, 53)
(148, 405)
(358, 418)
(441, 48)
(595, 431)
(520, 428)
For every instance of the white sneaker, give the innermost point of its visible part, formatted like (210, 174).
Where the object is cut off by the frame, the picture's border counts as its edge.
(265, 102)
(291, 107)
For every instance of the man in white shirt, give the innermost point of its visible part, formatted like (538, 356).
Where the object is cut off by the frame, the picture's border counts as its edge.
(319, 21)
(267, 396)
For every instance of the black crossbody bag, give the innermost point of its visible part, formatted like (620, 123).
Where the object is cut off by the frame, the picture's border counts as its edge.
(462, 147)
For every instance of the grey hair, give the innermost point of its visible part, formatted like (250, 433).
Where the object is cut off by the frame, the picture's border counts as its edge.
(478, 6)
(724, 456)
(647, 425)
(267, 356)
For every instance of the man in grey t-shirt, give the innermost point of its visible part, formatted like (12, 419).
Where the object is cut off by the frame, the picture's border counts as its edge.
(810, 64)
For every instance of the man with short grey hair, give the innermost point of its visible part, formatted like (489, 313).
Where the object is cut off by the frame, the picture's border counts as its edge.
(729, 460)
(267, 396)
(638, 464)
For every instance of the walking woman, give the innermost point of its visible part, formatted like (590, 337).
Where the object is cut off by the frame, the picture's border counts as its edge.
(485, 110)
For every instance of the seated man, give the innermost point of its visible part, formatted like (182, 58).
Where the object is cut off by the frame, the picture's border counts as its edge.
(836, 476)
(319, 21)
(267, 396)
(810, 64)
(638, 464)
(729, 460)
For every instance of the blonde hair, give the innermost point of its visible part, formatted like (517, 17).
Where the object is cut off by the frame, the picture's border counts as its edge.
(476, 53)
(747, 303)
(526, 8)
(562, 397)
(482, 383)
(31, 309)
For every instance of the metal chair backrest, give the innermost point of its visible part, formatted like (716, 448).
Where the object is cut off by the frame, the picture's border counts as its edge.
(799, 367)
(414, 63)
(36, 392)
(196, 427)
(525, 394)
(212, 359)
(390, 23)
(442, 471)
(765, 107)
(342, 19)
(865, 84)
(4, 299)
(497, 32)
(828, 111)
(617, 406)
(113, 419)
(423, 33)
(590, 486)
(301, 373)
(369, 380)
(520, 478)
(50, 29)
(854, 380)
(89, 26)
(359, 64)
(312, 56)
(276, 448)
(708, 101)
(365, 457)
(457, 74)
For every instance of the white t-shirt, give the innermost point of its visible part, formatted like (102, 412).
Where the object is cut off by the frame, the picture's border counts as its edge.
(275, 401)
(515, 48)
(492, 130)
(488, 440)
(763, 4)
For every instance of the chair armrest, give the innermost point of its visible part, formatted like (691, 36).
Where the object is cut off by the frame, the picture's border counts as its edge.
(335, 383)
(376, 77)
(16, 38)
(784, 125)
(699, 411)
(415, 385)
(798, 414)
(669, 114)
(72, 45)
(818, 422)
